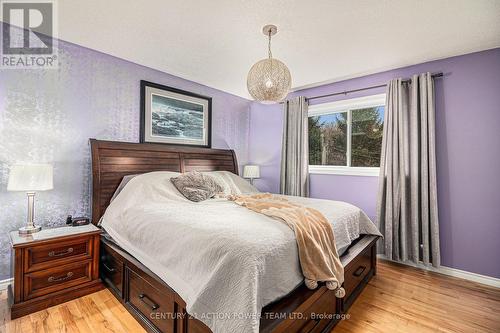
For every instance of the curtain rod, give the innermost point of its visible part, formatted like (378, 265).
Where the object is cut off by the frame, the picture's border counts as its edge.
(435, 75)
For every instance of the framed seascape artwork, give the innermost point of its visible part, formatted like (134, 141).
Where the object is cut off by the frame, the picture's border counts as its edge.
(174, 116)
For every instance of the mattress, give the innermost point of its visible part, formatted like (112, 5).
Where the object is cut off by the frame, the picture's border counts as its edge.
(225, 261)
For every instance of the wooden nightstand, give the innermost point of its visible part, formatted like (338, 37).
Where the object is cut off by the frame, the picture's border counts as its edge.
(53, 266)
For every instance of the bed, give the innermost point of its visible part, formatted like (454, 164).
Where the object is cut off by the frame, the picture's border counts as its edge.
(159, 307)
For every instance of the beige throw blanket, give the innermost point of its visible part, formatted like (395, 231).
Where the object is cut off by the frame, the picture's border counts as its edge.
(318, 255)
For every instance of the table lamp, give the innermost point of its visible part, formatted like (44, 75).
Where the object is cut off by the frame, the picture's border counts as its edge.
(30, 178)
(251, 172)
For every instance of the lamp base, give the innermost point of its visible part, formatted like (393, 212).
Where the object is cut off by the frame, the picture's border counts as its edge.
(23, 231)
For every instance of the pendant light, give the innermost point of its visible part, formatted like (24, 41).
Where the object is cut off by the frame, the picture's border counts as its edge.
(269, 79)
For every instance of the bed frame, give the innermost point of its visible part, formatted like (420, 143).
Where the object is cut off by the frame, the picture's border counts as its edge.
(156, 306)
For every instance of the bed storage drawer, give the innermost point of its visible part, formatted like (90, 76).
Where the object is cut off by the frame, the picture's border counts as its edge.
(111, 268)
(356, 271)
(154, 306)
(315, 318)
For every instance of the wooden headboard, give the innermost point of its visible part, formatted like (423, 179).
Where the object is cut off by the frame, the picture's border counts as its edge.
(112, 160)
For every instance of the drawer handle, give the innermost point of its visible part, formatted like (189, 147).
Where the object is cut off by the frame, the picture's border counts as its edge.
(61, 253)
(359, 271)
(109, 269)
(64, 278)
(146, 300)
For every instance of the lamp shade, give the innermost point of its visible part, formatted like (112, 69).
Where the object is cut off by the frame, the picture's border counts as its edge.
(30, 177)
(269, 81)
(251, 171)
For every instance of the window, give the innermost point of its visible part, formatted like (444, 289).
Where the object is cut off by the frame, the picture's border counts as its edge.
(345, 137)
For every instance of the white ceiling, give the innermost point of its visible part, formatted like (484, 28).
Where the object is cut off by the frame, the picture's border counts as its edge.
(216, 42)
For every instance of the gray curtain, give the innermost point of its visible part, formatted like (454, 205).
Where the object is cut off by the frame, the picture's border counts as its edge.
(407, 211)
(295, 148)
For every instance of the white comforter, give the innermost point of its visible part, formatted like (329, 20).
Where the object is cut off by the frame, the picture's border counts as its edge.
(225, 261)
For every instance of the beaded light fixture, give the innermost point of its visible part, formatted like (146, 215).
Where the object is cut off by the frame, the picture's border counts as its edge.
(269, 80)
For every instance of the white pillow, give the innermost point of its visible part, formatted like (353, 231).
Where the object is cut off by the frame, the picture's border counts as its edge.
(156, 180)
(124, 182)
(232, 183)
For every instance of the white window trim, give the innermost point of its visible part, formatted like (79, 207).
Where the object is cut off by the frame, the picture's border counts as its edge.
(344, 170)
(346, 106)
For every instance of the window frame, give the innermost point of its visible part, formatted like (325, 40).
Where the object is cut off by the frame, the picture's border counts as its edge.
(346, 105)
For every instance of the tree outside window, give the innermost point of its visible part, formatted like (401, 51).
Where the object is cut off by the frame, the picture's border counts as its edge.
(350, 138)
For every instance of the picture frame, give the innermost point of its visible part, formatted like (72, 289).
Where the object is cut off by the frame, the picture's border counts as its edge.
(174, 116)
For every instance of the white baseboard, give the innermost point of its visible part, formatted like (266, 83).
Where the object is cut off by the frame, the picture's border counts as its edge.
(5, 283)
(488, 280)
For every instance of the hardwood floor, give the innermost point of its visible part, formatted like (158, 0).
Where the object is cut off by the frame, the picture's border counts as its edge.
(99, 312)
(398, 299)
(406, 299)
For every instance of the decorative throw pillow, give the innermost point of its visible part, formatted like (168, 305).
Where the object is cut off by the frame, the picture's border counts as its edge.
(196, 186)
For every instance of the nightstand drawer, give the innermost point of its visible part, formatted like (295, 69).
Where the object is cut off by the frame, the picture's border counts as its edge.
(49, 255)
(50, 280)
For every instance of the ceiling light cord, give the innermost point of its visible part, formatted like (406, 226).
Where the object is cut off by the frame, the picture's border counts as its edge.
(270, 54)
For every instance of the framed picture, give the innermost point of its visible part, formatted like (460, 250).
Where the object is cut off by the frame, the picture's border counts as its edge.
(174, 116)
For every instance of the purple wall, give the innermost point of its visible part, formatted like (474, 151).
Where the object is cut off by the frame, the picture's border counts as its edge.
(266, 124)
(49, 115)
(358, 190)
(468, 155)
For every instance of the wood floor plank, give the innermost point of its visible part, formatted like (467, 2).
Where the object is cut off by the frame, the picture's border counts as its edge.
(116, 312)
(40, 321)
(406, 299)
(398, 299)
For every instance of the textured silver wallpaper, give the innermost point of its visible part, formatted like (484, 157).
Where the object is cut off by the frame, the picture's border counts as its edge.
(49, 115)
